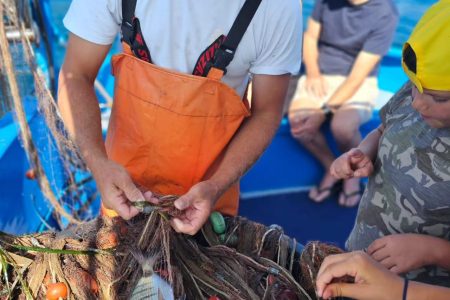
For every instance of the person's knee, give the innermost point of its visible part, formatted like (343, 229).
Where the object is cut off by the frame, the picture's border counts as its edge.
(304, 138)
(299, 131)
(296, 127)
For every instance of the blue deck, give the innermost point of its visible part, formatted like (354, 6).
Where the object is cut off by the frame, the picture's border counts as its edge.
(275, 191)
(301, 218)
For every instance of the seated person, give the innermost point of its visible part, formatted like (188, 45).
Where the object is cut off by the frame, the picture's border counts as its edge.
(372, 281)
(343, 45)
(404, 216)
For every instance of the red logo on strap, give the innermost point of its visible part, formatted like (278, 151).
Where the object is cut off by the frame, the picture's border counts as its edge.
(207, 56)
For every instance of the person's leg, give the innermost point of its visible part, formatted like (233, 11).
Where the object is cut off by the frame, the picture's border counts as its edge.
(345, 128)
(303, 107)
(317, 145)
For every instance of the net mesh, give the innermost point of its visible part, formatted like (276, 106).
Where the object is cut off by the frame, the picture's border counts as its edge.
(20, 77)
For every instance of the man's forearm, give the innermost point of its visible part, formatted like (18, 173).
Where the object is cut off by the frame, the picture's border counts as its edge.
(364, 64)
(255, 133)
(245, 148)
(311, 56)
(344, 92)
(81, 114)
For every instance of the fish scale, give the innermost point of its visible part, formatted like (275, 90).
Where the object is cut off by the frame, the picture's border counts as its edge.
(150, 286)
(145, 289)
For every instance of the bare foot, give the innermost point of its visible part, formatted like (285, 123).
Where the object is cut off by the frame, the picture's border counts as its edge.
(351, 192)
(327, 186)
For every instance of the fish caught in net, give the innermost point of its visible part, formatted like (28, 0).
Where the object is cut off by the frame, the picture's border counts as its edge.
(109, 258)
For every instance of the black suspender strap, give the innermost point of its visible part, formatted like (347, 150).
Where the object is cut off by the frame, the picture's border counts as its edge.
(225, 54)
(128, 8)
(132, 35)
(131, 31)
(241, 24)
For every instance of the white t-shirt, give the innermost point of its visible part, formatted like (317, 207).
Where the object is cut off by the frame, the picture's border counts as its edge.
(178, 31)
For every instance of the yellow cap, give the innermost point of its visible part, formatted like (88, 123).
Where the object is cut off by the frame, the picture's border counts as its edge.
(426, 54)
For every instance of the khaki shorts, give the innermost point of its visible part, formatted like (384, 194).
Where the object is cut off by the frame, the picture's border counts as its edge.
(363, 100)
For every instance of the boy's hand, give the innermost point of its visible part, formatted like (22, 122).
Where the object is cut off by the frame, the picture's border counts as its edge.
(353, 163)
(402, 253)
(372, 281)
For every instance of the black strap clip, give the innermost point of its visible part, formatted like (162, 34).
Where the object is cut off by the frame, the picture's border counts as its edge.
(221, 60)
(127, 32)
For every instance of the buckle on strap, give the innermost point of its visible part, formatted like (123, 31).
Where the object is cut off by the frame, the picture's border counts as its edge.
(221, 60)
(127, 30)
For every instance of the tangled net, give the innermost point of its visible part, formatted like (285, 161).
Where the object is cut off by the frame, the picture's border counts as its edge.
(71, 200)
(104, 259)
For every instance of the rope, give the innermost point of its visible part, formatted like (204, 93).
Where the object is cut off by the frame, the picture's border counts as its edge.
(25, 131)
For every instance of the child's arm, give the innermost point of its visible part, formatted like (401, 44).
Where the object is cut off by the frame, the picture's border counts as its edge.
(372, 281)
(369, 146)
(441, 253)
(357, 162)
(424, 291)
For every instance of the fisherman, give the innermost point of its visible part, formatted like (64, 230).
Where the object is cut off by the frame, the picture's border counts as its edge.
(404, 216)
(180, 122)
(344, 43)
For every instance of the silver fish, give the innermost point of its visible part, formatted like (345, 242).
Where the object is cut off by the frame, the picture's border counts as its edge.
(150, 286)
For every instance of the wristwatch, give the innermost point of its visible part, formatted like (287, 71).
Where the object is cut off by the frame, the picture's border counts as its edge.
(326, 109)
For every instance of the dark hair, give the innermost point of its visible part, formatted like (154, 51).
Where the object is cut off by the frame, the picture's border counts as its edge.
(410, 58)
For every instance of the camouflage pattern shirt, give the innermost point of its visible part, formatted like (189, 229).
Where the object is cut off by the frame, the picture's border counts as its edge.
(409, 190)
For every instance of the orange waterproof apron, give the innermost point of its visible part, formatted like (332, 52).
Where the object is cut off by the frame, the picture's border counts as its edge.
(169, 129)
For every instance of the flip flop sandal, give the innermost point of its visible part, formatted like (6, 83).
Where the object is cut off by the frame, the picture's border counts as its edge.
(352, 194)
(332, 191)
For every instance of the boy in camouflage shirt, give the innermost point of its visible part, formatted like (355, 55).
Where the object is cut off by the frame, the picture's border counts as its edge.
(404, 216)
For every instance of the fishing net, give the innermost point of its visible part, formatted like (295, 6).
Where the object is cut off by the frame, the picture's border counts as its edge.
(143, 258)
(20, 77)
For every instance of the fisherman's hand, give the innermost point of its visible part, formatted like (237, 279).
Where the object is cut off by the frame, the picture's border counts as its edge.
(316, 86)
(353, 163)
(117, 189)
(196, 206)
(372, 281)
(402, 253)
